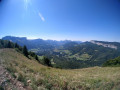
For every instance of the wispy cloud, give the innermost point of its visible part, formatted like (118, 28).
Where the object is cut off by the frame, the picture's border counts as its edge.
(42, 18)
(35, 10)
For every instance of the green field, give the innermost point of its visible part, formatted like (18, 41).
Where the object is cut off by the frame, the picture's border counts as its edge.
(47, 78)
(83, 57)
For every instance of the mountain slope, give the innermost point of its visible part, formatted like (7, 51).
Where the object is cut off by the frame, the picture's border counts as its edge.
(8, 80)
(42, 77)
(92, 53)
(113, 45)
(71, 54)
(112, 62)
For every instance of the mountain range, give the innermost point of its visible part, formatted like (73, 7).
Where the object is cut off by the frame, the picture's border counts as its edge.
(71, 54)
(37, 43)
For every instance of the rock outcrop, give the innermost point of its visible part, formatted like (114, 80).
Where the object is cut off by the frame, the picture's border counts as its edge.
(104, 45)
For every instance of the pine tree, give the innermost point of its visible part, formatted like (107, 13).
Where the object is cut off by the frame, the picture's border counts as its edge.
(32, 54)
(16, 45)
(25, 51)
(46, 61)
(36, 57)
(2, 42)
(9, 45)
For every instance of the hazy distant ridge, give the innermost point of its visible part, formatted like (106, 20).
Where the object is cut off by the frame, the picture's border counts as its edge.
(37, 43)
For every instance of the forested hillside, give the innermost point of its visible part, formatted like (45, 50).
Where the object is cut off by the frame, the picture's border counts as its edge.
(23, 50)
(112, 63)
(82, 55)
(71, 54)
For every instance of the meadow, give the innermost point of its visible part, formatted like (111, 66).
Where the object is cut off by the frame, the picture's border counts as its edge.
(48, 78)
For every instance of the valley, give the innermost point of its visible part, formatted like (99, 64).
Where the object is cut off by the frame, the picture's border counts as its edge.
(71, 54)
(59, 45)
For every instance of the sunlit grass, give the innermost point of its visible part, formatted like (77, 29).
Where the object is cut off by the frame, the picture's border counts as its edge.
(51, 78)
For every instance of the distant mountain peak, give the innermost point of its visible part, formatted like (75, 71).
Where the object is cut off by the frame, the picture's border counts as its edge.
(10, 37)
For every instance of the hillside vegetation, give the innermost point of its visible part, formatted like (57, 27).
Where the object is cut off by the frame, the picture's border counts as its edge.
(112, 63)
(43, 77)
(71, 54)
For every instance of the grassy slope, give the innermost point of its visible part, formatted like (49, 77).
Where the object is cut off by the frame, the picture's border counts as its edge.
(43, 77)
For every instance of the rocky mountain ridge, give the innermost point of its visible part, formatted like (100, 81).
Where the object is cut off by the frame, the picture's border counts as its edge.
(104, 45)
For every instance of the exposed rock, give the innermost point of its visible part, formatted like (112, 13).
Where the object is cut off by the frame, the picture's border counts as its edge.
(104, 45)
(28, 81)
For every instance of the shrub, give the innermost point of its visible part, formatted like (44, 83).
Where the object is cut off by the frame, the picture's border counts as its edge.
(21, 78)
(1, 88)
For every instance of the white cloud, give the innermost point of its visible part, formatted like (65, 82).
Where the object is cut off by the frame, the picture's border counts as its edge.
(42, 18)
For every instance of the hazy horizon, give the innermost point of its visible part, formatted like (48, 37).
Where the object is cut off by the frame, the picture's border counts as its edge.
(55, 40)
(77, 20)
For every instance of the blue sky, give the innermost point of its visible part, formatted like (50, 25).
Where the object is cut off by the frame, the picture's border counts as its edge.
(82, 20)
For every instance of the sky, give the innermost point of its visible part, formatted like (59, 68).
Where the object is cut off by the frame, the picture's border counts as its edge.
(82, 20)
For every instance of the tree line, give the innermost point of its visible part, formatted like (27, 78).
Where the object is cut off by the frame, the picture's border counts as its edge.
(24, 51)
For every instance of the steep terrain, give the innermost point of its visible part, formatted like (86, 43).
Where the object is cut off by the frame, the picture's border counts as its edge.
(40, 77)
(7, 81)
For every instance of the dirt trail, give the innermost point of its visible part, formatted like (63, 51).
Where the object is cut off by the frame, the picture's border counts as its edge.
(7, 82)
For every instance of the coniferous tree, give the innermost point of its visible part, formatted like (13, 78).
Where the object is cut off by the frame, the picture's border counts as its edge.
(36, 57)
(16, 45)
(32, 54)
(46, 61)
(2, 42)
(25, 51)
(9, 45)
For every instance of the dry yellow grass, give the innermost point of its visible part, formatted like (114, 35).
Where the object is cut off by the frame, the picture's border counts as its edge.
(42, 77)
